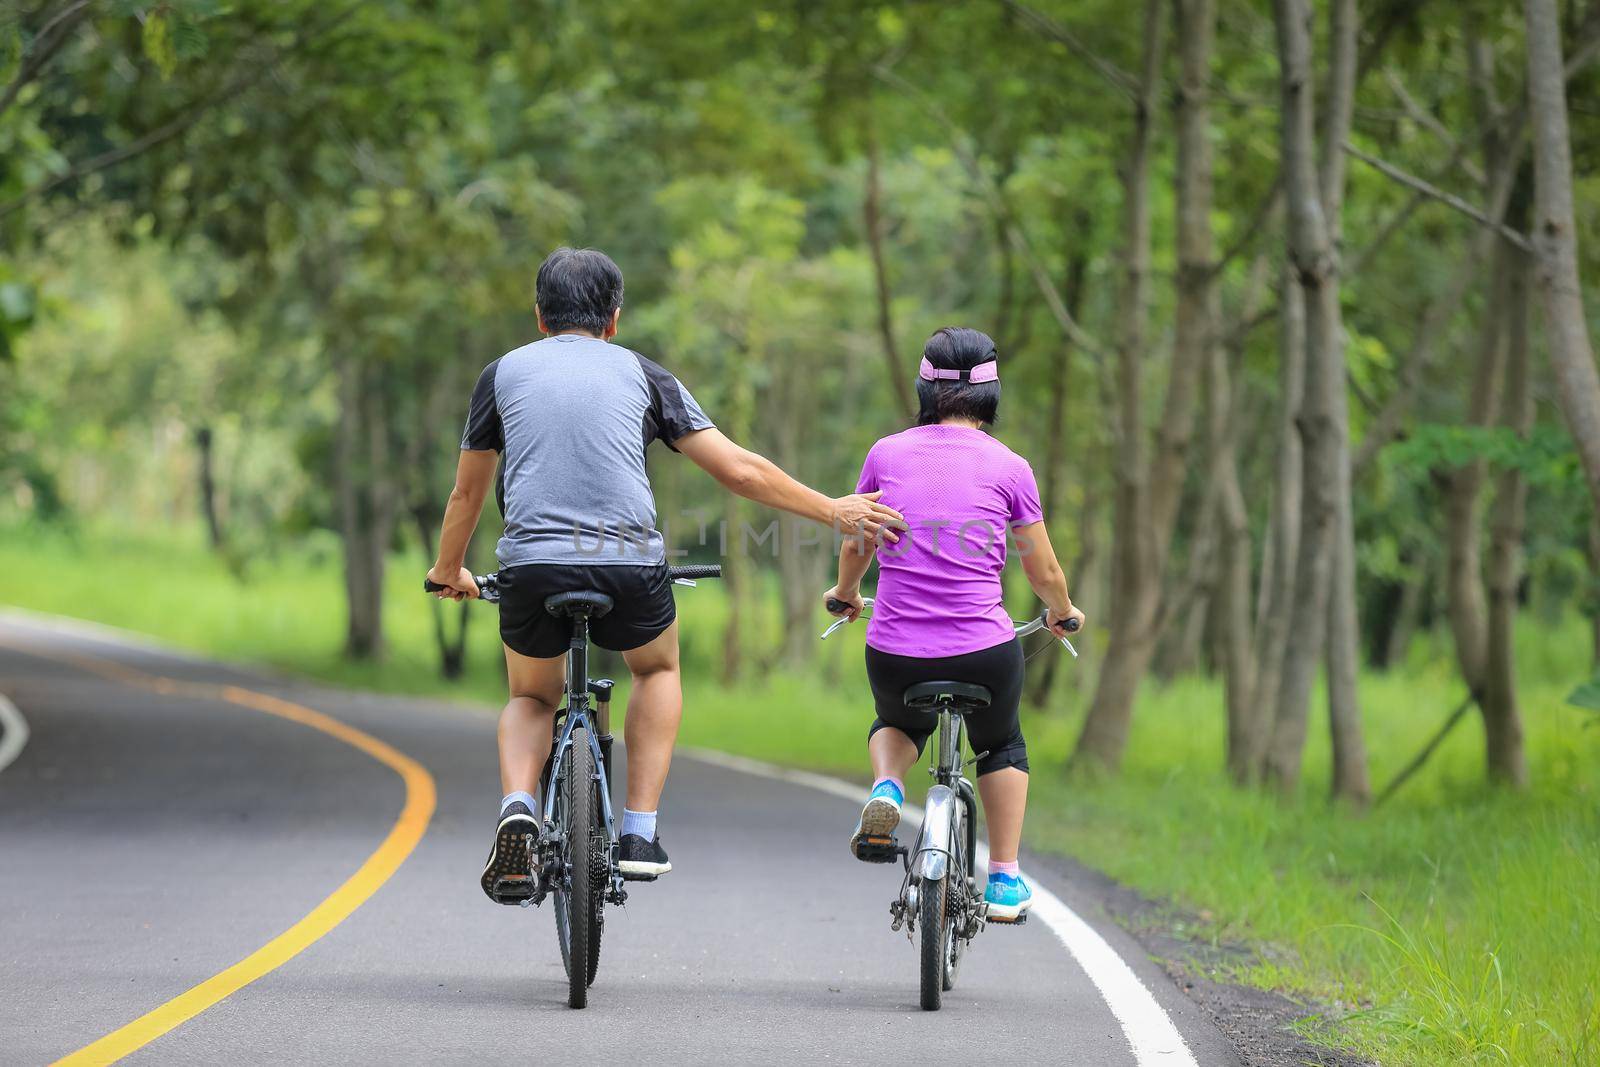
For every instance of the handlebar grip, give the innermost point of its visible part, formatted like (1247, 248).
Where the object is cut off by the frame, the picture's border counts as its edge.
(1072, 625)
(430, 586)
(696, 570)
(836, 606)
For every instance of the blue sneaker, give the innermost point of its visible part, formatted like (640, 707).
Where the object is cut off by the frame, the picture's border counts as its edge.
(873, 841)
(1009, 898)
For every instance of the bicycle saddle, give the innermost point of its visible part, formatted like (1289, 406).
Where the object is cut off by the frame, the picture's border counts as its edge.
(588, 602)
(958, 696)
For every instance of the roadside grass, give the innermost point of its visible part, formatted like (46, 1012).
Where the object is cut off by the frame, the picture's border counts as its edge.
(1456, 924)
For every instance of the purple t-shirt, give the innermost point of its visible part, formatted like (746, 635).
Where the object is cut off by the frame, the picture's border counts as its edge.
(960, 490)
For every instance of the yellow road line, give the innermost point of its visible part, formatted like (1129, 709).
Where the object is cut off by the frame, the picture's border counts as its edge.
(401, 840)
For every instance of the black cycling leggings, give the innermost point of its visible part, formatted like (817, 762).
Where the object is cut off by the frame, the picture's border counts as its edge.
(994, 732)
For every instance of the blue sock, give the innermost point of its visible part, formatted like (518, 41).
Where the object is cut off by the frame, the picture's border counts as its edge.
(526, 798)
(642, 823)
(893, 783)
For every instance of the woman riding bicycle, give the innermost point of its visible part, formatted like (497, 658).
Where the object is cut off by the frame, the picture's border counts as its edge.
(939, 612)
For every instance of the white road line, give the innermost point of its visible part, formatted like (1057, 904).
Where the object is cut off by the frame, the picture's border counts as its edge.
(13, 732)
(1150, 1032)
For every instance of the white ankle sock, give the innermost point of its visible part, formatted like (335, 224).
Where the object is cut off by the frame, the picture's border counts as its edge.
(642, 823)
(526, 798)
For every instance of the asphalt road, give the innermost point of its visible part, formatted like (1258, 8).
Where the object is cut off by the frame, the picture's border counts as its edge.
(153, 835)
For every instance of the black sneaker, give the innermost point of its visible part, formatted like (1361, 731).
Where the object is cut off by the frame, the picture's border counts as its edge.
(508, 876)
(641, 860)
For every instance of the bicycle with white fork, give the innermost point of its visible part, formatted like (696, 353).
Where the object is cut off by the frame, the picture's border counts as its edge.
(940, 895)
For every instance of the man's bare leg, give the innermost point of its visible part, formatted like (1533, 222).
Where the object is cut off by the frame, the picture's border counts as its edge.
(527, 723)
(524, 736)
(655, 707)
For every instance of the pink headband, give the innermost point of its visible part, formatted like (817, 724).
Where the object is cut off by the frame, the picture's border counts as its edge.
(983, 372)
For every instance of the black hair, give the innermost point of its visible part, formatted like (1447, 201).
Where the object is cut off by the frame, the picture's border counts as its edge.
(578, 289)
(958, 348)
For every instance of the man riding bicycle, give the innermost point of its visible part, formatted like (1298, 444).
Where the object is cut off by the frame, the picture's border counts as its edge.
(573, 415)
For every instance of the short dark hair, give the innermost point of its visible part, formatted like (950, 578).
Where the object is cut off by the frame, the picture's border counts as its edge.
(578, 289)
(958, 348)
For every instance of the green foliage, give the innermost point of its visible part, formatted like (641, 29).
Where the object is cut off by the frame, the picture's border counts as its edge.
(1545, 458)
(1587, 697)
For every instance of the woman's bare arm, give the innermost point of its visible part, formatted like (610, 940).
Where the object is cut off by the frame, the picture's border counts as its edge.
(1044, 573)
(854, 559)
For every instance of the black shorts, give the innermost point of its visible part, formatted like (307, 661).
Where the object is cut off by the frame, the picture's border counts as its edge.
(642, 606)
(995, 733)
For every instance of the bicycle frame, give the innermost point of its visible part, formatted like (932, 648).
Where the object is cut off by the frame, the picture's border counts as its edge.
(577, 711)
(935, 844)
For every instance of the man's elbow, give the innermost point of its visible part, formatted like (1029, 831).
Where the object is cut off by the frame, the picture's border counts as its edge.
(746, 478)
(465, 496)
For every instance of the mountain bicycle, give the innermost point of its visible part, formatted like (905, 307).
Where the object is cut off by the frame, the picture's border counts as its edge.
(575, 854)
(940, 893)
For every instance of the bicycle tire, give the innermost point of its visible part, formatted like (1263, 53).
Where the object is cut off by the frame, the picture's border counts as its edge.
(961, 867)
(932, 904)
(577, 904)
(599, 850)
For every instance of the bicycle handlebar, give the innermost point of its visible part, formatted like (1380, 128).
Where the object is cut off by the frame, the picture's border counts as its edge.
(489, 584)
(691, 571)
(838, 607)
(488, 587)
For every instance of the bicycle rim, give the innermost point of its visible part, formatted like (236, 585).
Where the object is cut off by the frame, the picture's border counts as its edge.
(959, 893)
(576, 907)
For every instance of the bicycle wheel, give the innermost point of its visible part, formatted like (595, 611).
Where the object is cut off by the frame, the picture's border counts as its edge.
(577, 901)
(959, 892)
(932, 903)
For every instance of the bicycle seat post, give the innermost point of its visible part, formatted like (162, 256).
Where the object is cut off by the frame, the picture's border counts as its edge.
(578, 661)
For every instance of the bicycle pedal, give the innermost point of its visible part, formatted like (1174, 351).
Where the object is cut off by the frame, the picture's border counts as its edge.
(1020, 920)
(514, 889)
(877, 850)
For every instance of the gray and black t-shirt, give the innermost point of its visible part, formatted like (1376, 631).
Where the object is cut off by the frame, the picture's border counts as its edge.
(573, 417)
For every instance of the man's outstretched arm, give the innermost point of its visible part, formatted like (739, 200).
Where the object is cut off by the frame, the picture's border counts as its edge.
(474, 475)
(757, 478)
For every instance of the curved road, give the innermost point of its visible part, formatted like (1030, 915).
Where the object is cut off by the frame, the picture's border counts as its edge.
(156, 829)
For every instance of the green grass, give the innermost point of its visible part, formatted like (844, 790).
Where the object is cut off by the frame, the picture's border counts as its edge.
(1457, 924)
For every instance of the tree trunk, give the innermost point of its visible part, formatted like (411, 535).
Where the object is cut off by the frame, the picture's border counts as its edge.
(1555, 240)
(1041, 679)
(1594, 586)
(872, 218)
(208, 487)
(1316, 265)
(1463, 556)
(1283, 533)
(1407, 610)
(1233, 615)
(1194, 327)
(1136, 579)
(1350, 780)
(737, 567)
(452, 648)
(363, 509)
(1502, 719)
(803, 546)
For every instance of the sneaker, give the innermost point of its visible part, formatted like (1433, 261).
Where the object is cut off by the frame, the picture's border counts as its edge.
(641, 860)
(1009, 898)
(508, 876)
(874, 836)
